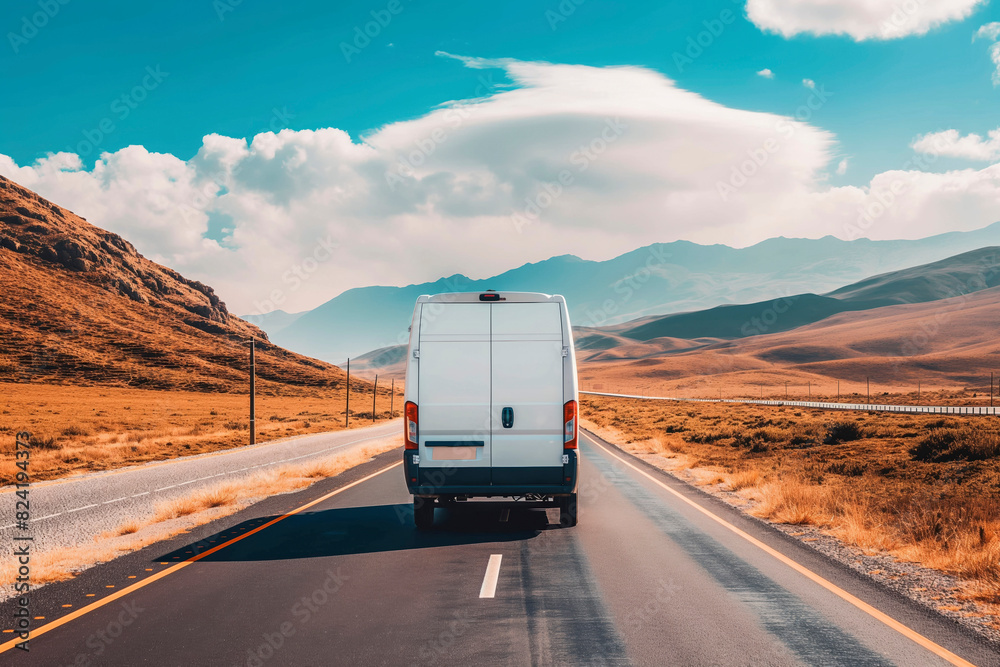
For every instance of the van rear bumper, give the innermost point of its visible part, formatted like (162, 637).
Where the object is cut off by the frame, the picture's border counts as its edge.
(437, 481)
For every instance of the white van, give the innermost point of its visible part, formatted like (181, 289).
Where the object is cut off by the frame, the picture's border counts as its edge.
(491, 402)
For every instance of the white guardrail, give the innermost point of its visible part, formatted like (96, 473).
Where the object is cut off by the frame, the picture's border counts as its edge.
(869, 407)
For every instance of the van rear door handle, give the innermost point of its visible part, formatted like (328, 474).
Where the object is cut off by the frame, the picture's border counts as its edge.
(507, 417)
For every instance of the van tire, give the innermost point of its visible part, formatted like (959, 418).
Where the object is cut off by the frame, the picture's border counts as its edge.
(568, 511)
(423, 512)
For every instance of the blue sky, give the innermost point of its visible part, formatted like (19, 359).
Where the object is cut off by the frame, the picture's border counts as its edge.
(227, 76)
(238, 70)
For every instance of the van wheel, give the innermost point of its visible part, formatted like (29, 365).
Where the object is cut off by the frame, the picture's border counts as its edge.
(568, 511)
(423, 512)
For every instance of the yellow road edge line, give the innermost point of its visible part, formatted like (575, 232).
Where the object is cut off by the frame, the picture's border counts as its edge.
(6, 646)
(904, 630)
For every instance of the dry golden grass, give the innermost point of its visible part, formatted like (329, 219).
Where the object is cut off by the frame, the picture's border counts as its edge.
(181, 514)
(795, 502)
(222, 495)
(79, 429)
(921, 488)
(745, 479)
(128, 528)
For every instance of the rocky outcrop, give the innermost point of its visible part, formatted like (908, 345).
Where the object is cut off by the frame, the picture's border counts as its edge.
(80, 305)
(31, 225)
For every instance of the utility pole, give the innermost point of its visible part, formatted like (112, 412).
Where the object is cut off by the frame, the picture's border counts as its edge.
(810, 389)
(868, 382)
(392, 397)
(838, 391)
(253, 391)
(786, 390)
(347, 406)
(918, 390)
(374, 395)
(991, 389)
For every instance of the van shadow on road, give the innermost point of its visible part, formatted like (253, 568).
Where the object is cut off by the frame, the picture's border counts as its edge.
(359, 530)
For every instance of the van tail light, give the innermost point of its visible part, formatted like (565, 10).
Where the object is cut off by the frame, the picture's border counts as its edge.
(569, 425)
(410, 419)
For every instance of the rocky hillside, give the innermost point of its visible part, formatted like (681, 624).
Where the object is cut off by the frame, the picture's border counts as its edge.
(80, 305)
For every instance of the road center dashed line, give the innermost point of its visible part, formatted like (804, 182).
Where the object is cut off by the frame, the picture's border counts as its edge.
(78, 509)
(489, 587)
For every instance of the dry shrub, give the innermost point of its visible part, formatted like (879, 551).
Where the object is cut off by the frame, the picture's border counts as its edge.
(319, 470)
(770, 434)
(709, 478)
(919, 523)
(752, 441)
(708, 436)
(128, 528)
(979, 562)
(175, 509)
(973, 442)
(745, 479)
(219, 496)
(657, 446)
(857, 522)
(847, 468)
(67, 456)
(40, 441)
(795, 502)
(844, 431)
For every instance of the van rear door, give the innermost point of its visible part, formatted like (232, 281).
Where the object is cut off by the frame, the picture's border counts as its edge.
(454, 394)
(527, 393)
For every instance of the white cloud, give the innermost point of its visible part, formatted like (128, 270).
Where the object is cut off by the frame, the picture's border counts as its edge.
(842, 167)
(949, 143)
(858, 19)
(991, 32)
(574, 159)
(766, 73)
(809, 83)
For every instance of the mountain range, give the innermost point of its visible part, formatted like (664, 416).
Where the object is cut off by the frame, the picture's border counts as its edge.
(955, 276)
(80, 305)
(952, 303)
(659, 279)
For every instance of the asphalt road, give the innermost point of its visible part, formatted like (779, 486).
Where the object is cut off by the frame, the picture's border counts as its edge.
(64, 510)
(656, 573)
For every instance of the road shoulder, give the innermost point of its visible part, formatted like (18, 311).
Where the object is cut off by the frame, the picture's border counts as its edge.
(837, 566)
(53, 601)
